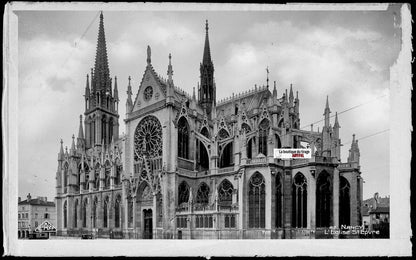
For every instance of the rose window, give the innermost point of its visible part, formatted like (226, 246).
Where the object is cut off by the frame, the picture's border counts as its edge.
(148, 138)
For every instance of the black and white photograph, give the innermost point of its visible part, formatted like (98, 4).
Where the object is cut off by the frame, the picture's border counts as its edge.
(148, 124)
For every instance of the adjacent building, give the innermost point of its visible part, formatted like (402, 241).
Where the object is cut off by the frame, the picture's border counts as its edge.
(376, 214)
(32, 213)
(191, 166)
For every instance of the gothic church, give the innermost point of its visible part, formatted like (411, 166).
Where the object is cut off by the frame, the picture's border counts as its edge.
(193, 167)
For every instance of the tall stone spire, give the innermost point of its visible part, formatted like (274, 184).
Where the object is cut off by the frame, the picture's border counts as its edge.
(101, 69)
(206, 91)
(207, 51)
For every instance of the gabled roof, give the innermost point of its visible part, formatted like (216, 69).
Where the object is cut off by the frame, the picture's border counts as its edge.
(37, 202)
(251, 100)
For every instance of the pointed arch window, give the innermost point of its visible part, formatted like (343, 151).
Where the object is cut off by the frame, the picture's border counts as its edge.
(299, 201)
(323, 200)
(87, 176)
(279, 201)
(106, 208)
(202, 196)
(92, 132)
(263, 133)
(278, 143)
(107, 176)
(65, 214)
(130, 212)
(117, 212)
(257, 201)
(110, 129)
(183, 138)
(76, 214)
(84, 213)
(94, 213)
(183, 193)
(103, 130)
(225, 192)
(245, 127)
(66, 174)
(250, 148)
(205, 132)
(226, 159)
(97, 177)
(119, 168)
(344, 201)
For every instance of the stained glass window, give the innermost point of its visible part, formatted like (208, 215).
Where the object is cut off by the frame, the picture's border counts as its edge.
(225, 193)
(257, 201)
(148, 138)
(299, 201)
(279, 201)
(323, 200)
(344, 201)
(84, 213)
(263, 133)
(183, 138)
(76, 214)
(183, 193)
(105, 209)
(117, 210)
(65, 214)
(202, 194)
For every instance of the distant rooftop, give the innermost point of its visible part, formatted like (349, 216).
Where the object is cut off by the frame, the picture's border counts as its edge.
(37, 202)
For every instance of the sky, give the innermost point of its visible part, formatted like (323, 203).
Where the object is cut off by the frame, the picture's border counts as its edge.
(343, 54)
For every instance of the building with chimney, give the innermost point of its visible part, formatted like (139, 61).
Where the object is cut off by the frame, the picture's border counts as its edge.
(193, 167)
(32, 213)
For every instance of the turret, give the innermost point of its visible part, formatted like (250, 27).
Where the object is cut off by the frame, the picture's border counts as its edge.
(61, 152)
(336, 126)
(354, 152)
(73, 151)
(170, 70)
(327, 111)
(274, 91)
(291, 96)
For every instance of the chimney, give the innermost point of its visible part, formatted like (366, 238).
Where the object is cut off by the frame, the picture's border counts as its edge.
(28, 197)
(20, 199)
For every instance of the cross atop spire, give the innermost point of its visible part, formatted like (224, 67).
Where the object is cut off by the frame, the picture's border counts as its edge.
(101, 70)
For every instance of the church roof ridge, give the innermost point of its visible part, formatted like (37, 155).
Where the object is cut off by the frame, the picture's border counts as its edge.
(242, 94)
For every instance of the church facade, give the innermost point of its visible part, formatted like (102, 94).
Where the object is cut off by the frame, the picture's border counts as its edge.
(192, 167)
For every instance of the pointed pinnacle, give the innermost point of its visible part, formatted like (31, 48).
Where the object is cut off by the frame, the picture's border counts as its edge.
(336, 124)
(149, 54)
(61, 151)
